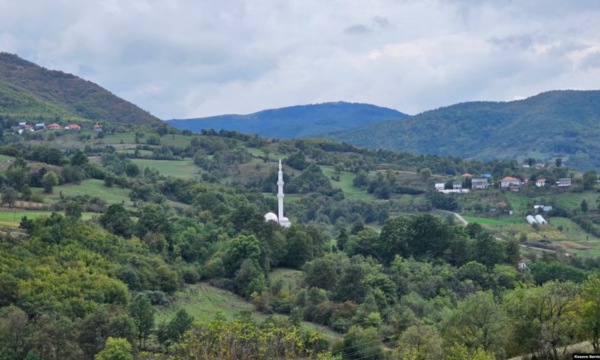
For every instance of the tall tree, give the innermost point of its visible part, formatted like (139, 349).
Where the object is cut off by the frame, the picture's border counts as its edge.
(49, 181)
(115, 349)
(142, 312)
(591, 311)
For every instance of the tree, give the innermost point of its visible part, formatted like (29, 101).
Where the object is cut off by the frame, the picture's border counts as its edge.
(132, 170)
(425, 174)
(17, 176)
(530, 161)
(73, 210)
(419, 342)
(172, 332)
(9, 196)
(109, 179)
(50, 180)
(117, 220)
(9, 289)
(589, 179)
(242, 248)
(115, 349)
(363, 344)
(546, 316)
(321, 273)
(338, 168)
(584, 206)
(591, 310)
(342, 238)
(79, 158)
(26, 193)
(558, 162)
(478, 322)
(142, 312)
(352, 285)
(15, 333)
(153, 140)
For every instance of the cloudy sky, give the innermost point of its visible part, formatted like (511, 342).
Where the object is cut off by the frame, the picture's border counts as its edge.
(194, 58)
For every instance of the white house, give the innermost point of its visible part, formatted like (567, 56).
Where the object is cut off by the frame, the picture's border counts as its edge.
(564, 182)
(439, 186)
(479, 183)
(540, 183)
(510, 181)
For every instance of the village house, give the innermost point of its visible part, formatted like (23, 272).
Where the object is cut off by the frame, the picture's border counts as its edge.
(439, 186)
(539, 166)
(73, 127)
(540, 182)
(479, 183)
(564, 182)
(40, 126)
(510, 182)
(97, 127)
(457, 185)
(54, 126)
(22, 124)
(466, 175)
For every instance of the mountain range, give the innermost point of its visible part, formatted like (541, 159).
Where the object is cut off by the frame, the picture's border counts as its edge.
(295, 121)
(552, 124)
(29, 92)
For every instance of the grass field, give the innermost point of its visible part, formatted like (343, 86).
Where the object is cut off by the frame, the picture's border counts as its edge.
(16, 217)
(202, 301)
(350, 191)
(91, 187)
(291, 277)
(183, 169)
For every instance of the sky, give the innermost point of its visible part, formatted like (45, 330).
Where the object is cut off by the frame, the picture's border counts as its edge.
(196, 58)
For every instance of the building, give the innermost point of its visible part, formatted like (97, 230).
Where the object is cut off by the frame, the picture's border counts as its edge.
(439, 186)
(97, 127)
(54, 126)
(40, 126)
(525, 165)
(489, 176)
(22, 124)
(457, 185)
(539, 166)
(466, 175)
(508, 182)
(540, 182)
(480, 183)
(282, 220)
(565, 182)
(73, 127)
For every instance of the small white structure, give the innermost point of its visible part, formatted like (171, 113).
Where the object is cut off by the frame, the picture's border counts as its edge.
(541, 220)
(510, 181)
(439, 186)
(564, 182)
(455, 191)
(540, 183)
(531, 220)
(523, 266)
(282, 220)
(40, 126)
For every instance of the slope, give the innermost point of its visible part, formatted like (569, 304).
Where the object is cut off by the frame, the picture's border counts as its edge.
(295, 121)
(551, 124)
(80, 97)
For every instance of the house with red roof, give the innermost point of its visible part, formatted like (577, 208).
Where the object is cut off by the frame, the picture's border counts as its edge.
(466, 175)
(508, 182)
(53, 126)
(541, 182)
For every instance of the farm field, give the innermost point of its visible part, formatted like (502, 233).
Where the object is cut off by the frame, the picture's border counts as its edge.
(202, 301)
(510, 220)
(90, 187)
(183, 169)
(350, 191)
(16, 217)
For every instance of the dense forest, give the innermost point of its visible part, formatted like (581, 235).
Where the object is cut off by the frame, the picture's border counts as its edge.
(418, 287)
(551, 124)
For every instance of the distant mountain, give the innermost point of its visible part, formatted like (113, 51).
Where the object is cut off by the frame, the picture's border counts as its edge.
(552, 124)
(295, 121)
(55, 93)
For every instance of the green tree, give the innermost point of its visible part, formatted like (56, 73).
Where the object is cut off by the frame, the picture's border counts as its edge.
(9, 289)
(584, 206)
(9, 196)
(167, 279)
(153, 140)
(142, 312)
(79, 158)
(172, 332)
(419, 342)
(242, 248)
(26, 193)
(425, 174)
(478, 322)
(591, 310)
(115, 349)
(590, 178)
(321, 273)
(363, 344)
(73, 210)
(17, 177)
(49, 181)
(132, 170)
(117, 220)
(109, 179)
(16, 333)
(558, 162)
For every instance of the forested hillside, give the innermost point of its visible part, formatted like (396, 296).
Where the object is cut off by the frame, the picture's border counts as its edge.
(552, 124)
(78, 97)
(295, 121)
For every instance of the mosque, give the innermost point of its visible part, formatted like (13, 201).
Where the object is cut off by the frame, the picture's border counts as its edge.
(281, 220)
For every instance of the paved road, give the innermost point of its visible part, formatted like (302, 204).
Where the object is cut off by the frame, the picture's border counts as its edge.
(462, 219)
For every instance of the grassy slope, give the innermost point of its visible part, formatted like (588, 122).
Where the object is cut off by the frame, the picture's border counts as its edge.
(184, 169)
(91, 187)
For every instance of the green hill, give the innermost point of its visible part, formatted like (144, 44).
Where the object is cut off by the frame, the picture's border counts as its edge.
(552, 124)
(295, 121)
(23, 83)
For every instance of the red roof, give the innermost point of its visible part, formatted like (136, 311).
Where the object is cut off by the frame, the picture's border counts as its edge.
(502, 204)
(467, 175)
(541, 181)
(55, 125)
(74, 126)
(508, 178)
(97, 126)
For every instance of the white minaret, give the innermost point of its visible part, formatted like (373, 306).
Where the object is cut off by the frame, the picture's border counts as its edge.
(283, 221)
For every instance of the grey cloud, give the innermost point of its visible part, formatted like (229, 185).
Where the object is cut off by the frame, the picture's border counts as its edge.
(523, 42)
(382, 22)
(592, 61)
(357, 29)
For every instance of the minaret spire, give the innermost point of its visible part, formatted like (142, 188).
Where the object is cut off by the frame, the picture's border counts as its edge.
(280, 192)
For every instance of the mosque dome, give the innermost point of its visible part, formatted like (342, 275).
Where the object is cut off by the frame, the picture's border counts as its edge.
(271, 217)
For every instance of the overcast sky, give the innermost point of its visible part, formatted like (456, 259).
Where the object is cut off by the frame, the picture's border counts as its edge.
(181, 59)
